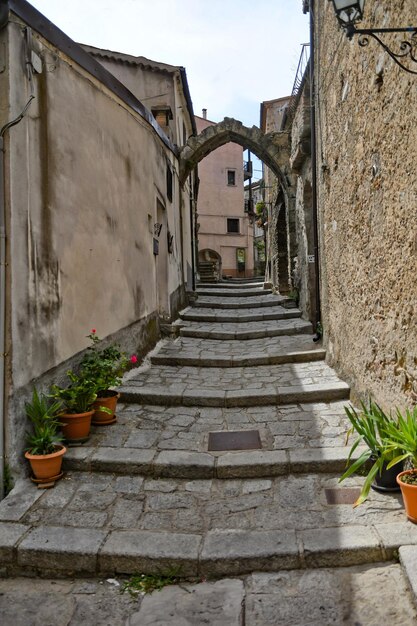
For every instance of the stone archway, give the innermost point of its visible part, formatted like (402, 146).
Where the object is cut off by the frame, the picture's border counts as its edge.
(272, 148)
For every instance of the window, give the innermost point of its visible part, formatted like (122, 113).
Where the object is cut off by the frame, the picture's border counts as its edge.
(232, 225)
(231, 177)
(169, 183)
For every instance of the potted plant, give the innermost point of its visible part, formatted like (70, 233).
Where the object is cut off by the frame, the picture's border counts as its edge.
(105, 366)
(45, 449)
(372, 425)
(403, 434)
(77, 400)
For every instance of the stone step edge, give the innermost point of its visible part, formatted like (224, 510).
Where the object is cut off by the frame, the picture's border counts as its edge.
(302, 329)
(205, 465)
(239, 398)
(301, 356)
(227, 293)
(227, 286)
(236, 306)
(68, 551)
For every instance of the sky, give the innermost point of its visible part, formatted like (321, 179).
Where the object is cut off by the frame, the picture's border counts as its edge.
(236, 53)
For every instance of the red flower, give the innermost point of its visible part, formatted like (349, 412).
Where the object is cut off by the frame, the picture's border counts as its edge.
(133, 358)
(93, 331)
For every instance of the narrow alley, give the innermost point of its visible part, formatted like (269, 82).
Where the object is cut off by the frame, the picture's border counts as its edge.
(166, 490)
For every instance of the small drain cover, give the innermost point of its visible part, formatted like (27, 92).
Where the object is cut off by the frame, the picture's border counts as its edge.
(235, 440)
(342, 496)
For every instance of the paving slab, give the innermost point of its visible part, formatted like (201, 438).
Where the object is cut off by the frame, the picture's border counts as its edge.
(60, 548)
(215, 603)
(284, 598)
(238, 551)
(151, 552)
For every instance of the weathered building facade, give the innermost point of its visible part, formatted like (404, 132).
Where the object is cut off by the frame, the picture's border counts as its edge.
(366, 128)
(280, 227)
(96, 224)
(225, 235)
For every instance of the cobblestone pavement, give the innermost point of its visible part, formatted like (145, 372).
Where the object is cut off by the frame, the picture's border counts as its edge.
(271, 529)
(349, 596)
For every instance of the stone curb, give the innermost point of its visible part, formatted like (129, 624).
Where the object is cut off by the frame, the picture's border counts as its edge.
(236, 398)
(72, 551)
(304, 356)
(408, 560)
(198, 465)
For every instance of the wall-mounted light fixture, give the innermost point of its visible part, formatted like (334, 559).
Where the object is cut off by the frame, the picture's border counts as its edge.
(350, 12)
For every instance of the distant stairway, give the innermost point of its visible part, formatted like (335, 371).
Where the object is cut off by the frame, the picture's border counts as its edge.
(207, 271)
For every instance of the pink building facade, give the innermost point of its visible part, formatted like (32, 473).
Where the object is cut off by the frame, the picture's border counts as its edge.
(225, 235)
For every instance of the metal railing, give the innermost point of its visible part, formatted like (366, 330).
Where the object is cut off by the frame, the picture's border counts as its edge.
(300, 78)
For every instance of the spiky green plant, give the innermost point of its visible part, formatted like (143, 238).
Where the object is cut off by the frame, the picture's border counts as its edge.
(42, 413)
(372, 425)
(403, 434)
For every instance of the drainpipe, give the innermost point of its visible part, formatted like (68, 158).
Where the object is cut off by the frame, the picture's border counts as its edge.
(317, 316)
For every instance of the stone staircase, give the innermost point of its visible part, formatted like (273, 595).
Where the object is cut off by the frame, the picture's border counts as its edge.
(153, 492)
(207, 271)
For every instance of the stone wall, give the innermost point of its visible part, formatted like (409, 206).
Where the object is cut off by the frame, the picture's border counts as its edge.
(367, 154)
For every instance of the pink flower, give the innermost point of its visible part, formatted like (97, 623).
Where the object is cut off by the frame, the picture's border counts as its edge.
(133, 358)
(93, 331)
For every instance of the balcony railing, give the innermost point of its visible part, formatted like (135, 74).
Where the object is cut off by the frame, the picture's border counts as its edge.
(247, 170)
(300, 78)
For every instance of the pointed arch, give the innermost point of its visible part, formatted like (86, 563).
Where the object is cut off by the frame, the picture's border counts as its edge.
(272, 148)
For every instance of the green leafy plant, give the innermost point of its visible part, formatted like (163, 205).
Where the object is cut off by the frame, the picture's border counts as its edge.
(146, 583)
(42, 413)
(402, 434)
(104, 366)
(373, 426)
(79, 396)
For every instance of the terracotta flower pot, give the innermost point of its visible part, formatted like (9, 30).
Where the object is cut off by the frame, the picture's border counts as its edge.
(409, 494)
(46, 465)
(76, 426)
(109, 401)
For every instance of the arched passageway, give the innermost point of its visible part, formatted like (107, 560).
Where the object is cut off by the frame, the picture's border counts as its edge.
(271, 148)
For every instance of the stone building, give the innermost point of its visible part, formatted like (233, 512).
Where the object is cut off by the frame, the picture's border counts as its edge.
(280, 224)
(254, 201)
(96, 227)
(225, 234)
(366, 128)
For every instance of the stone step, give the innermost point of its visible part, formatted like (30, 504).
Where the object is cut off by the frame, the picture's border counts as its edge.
(241, 316)
(204, 465)
(289, 325)
(210, 397)
(251, 302)
(233, 293)
(231, 286)
(235, 386)
(213, 353)
(130, 524)
(174, 441)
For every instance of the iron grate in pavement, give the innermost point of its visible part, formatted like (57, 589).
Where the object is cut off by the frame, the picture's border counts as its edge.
(234, 440)
(342, 496)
